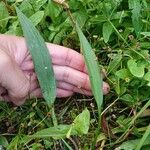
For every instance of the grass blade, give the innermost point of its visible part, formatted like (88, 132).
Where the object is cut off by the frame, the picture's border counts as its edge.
(93, 69)
(146, 134)
(133, 120)
(41, 58)
(131, 144)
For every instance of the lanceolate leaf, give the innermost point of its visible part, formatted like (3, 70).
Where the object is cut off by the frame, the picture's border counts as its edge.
(135, 5)
(41, 58)
(3, 14)
(93, 68)
(114, 63)
(79, 126)
(107, 31)
(57, 132)
(37, 17)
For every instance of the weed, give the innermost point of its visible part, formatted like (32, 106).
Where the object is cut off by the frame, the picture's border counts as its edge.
(119, 33)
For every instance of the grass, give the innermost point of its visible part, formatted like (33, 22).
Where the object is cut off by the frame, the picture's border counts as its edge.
(119, 33)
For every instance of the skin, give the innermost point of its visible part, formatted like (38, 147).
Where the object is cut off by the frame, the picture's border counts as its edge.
(18, 80)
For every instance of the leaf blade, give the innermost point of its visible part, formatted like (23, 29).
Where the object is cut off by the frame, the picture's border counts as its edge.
(82, 122)
(94, 73)
(137, 71)
(107, 31)
(37, 17)
(135, 6)
(41, 58)
(144, 138)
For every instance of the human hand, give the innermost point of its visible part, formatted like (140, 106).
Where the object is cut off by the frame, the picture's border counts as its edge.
(18, 80)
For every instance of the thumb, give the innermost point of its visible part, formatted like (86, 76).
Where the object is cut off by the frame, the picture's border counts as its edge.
(13, 80)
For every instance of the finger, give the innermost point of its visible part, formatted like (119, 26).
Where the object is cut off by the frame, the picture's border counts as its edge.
(63, 85)
(28, 65)
(75, 77)
(72, 76)
(67, 86)
(60, 85)
(63, 93)
(60, 55)
(60, 93)
(13, 79)
(66, 57)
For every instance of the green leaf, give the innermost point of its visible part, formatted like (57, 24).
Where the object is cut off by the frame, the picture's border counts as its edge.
(36, 146)
(145, 45)
(37, 4)
(116, 16)
(3, 141)
(14, 143)
(82, 122)
(26, 7)
(114, 63)
(146, 34)
(107, 31)
(79, 126)
(14, 29)
(123, 74)
(41, 58)
(93, 68)
(81, 17)
(137, 71)
(3, 15)
(147, 77)
(120, 88)
(56, 132)
(131, 144)
(135, 5)
(67, 145)
(146, 134)
(127, 98)
(37, 17)
(53, 11)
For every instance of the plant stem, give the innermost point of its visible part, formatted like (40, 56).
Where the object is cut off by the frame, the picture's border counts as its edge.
(54, 118)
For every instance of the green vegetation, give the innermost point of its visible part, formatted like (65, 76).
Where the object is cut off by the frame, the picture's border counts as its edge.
(119, 33)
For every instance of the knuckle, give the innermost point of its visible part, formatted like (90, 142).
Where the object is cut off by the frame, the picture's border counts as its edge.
(84, 67)
(68, 58)
(85, 82)
(65, 75)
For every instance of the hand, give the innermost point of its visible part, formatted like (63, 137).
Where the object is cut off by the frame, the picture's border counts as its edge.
(18, 79)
